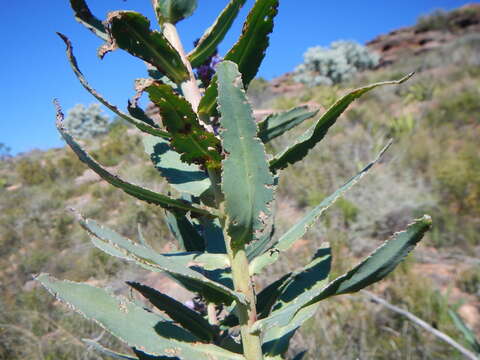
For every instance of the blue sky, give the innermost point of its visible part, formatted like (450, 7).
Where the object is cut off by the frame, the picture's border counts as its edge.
(34, 69)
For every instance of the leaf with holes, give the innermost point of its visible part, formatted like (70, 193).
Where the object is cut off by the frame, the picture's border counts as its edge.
(131, 32)
(189, 137)
(246, 181)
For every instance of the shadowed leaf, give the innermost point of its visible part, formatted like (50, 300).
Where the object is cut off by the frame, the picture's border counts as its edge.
(152, 333)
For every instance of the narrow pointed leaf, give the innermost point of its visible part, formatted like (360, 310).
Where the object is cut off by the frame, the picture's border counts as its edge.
(214, 34)
(131, 189)
(110, 353)
(467, 333)
(131, 32)
(277, 124)
(246, 181)
(85, 17)
(140, 329)
(374, 268)
(189, 137)
(182, 267)
(181, 314)
(132, 120)
(185, 233)
(317, 132)
(249, 50)
(300, 228)
(183, 177)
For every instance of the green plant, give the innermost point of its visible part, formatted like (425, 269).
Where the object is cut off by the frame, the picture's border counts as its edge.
(86, 122)
(212, 154)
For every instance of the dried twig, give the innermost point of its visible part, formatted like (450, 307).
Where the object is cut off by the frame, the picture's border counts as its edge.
(376, 299)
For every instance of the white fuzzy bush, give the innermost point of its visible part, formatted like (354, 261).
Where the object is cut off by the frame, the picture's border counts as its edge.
(328, 66)
(86, 122)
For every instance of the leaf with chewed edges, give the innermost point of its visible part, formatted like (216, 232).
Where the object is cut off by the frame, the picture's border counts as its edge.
(138, 123)
(248, 52)
(131, 189)
(214, 34)
(131, 32)
(372, 269)
(188, 137)
(85, 17)
(300, 228)
(186, 268)
(277, 124)
(246, 181)
(317, 131)
(146, 331)
(172, 11)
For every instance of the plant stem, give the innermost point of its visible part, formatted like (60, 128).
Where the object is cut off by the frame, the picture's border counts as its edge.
(247, 314)
(189, 87)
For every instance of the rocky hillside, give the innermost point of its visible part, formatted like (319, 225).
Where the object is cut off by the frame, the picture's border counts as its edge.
(433, 167)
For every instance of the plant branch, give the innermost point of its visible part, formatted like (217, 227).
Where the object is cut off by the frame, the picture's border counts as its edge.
(442, 336)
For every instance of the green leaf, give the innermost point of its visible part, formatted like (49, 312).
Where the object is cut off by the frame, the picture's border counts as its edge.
(172, 11)
(277, 124)
(214, 34)
(182, 267)
(95, 345)
(131, 189)
(183, 177)
(184, 231)
(249, 50)
(317, 132)
(299, 229)
(189, 137)
(372, 269)
(276, 340)
(467, 333)
(85, 17)
(148, 128)
(131, 32)
(141, 329)
(314, 275)
(181, 314)
(246, 180)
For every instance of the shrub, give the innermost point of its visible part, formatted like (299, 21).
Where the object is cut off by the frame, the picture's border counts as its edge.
(327, 66)
(86, 122)
(220, 207)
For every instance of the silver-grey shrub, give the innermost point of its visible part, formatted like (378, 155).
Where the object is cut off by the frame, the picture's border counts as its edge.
(86, 122)
(335, 64)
